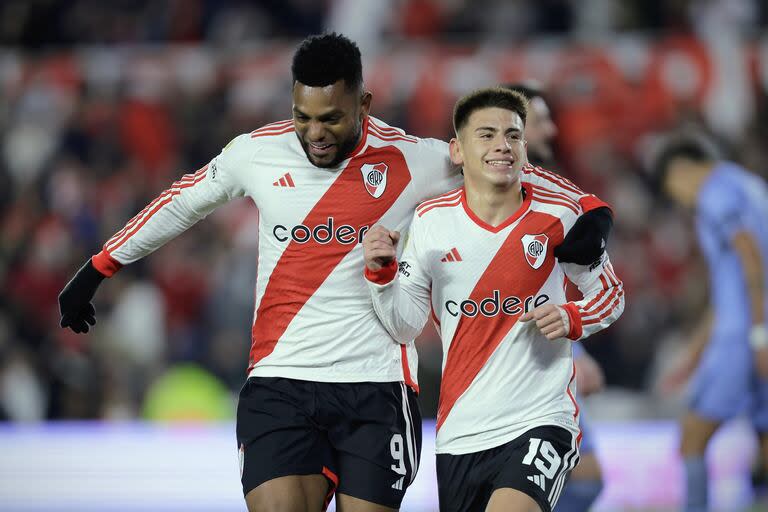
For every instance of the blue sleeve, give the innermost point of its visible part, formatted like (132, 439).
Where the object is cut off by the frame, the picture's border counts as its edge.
(724, 209)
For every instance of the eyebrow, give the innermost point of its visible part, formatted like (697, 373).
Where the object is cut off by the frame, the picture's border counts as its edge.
(323, 117)
(492, 129)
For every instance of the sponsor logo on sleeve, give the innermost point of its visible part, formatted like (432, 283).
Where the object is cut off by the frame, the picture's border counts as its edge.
(212, 169)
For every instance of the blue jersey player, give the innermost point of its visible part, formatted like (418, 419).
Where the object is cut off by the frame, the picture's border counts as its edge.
(728, 356)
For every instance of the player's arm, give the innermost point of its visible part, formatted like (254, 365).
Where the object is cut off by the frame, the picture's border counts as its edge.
(603, 300)
(602, 304)
(184, 203)
(686, 363)
(400, 293)
(585, 242)
(752, 265)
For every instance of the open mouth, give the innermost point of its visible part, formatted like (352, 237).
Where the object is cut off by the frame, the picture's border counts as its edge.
(500, 164)
(320, 149)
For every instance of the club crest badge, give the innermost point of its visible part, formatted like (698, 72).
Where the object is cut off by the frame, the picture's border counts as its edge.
(535, 249)
(374, 178)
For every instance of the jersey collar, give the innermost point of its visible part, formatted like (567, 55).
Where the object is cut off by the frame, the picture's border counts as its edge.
(527, 192)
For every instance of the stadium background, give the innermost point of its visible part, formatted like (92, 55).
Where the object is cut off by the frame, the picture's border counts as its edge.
(103, 105)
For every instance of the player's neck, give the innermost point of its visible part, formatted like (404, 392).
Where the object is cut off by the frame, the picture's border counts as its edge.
(493, 205)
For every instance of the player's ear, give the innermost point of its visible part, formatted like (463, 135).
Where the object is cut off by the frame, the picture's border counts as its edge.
(365, 104)
(525, 153)
(455, 149)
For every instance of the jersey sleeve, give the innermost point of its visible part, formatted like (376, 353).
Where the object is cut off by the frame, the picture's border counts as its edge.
(555, 187)
(603, 300)
(185, 202)
(436, 174)
(401, 291)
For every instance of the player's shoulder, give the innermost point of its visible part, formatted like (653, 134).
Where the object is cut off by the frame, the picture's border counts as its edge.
(383, 133)
(269, 134)
(546, 181)
(725, 187)
(272, 131)
(442, 203)
(378, 130)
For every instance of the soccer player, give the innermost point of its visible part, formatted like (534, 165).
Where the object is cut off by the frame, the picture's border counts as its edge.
(480, 260)
(329, 405)
(731, 217)
(586, 481)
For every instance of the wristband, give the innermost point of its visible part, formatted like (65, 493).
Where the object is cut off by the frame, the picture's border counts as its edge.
(758, 337)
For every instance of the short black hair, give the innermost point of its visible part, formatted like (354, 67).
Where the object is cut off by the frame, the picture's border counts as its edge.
(529, 89)
(488, 98)
(690, 144)
(322, 60)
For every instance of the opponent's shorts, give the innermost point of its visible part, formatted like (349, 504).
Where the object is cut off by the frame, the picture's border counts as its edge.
(538, 463)
(364, 437)
(726, 385)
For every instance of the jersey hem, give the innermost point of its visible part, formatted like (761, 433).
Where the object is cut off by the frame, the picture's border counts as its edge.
(309, 374)
(466, 448)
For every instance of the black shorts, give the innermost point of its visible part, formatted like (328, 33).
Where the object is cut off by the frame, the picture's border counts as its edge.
(364, 437)
(537, 463)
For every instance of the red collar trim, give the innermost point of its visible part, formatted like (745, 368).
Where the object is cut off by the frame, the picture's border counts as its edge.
(495, 229)
(363, 139)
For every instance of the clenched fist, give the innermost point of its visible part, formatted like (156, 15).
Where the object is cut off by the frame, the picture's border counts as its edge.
(551, 320)
(379, 247)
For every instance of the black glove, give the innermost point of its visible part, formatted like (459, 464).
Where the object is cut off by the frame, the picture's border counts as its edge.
(585, 242)
(77, 312)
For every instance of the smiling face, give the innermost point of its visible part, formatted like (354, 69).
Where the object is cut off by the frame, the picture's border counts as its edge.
(328, 121)
(491, 148)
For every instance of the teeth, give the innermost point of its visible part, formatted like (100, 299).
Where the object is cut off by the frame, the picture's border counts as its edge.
(499, 162)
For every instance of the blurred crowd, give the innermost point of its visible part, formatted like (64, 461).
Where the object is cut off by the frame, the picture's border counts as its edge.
(98, 115)
(39, 23)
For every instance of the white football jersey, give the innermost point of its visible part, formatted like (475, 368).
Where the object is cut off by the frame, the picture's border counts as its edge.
(501, 377)
(313, 318)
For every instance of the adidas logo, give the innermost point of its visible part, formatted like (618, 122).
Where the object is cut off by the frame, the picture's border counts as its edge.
(285, 181)
(399, 484)
(452, 255)
(539, 480)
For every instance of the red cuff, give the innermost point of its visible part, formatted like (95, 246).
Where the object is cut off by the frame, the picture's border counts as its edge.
(592, 202)
(384, 275)
(575, 320)
(105, 263)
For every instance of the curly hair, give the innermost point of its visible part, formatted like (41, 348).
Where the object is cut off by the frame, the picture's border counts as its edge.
(325, 59)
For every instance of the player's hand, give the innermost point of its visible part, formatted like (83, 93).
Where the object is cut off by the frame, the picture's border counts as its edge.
(584, 243)
(551, 320)
(75, 306)
(681, 371)
(589, 375)
(379, 247)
